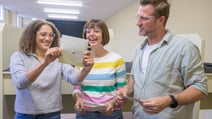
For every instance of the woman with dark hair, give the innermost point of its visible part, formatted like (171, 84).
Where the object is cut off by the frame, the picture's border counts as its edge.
(36, 72)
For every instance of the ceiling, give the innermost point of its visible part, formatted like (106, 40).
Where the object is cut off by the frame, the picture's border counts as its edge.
(101, 9)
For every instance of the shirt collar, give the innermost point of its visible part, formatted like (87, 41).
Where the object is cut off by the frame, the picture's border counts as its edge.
(166, 39)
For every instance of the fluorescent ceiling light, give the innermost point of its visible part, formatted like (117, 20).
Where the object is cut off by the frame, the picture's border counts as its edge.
(1, 13)
(62, 16)
(34, 18)
(61, 2)
(63, 11)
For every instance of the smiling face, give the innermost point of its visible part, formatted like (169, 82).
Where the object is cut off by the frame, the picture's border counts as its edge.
(96, 32)
(94, 36)
(44, 38)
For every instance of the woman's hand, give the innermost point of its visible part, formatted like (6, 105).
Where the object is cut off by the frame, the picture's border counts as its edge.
(79, 105)
(110, 106)
(52, 54)
(88, 60)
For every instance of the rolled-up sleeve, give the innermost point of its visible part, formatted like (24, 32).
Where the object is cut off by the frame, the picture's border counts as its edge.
(70, 73)
(193, 71)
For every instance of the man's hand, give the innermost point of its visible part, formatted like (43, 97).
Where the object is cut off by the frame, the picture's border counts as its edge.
(155, 105)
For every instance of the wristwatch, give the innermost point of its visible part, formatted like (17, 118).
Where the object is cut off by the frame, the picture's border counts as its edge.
(173, 103)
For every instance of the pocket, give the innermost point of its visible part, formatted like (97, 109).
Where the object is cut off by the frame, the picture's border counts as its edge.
(168, 75)
(168, 81)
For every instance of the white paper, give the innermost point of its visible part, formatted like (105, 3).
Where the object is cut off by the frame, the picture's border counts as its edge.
(72, 50)
(93, 107)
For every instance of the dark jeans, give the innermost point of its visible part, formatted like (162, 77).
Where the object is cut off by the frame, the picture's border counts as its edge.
(54, 115)
(117, 114)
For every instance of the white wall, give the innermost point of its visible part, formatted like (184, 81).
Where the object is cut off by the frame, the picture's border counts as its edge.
(125, 32)
(193, 16)
(186, 16)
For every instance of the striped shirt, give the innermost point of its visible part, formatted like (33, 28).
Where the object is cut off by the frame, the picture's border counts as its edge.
(107, 75)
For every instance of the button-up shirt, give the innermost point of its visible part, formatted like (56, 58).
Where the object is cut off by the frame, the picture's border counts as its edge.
(174, 65)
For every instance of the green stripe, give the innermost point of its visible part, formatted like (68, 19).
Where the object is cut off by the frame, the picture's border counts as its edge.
(120, 84)
(98, 88)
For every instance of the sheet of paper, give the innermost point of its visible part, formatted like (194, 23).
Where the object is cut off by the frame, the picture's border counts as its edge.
(93, 107)
(131, 98)
(72, 50)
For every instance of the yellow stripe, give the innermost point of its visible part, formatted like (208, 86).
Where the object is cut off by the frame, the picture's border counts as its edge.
(109, 64)
(119, 62)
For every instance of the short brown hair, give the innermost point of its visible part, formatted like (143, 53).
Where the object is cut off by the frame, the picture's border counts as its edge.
(27, 40)
(162, 7)
(92, 23)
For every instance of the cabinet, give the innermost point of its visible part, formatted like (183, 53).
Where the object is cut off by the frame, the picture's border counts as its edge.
(209, 75)
(8, 44)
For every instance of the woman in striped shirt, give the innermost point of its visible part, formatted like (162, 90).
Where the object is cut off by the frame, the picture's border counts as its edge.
(106, 77)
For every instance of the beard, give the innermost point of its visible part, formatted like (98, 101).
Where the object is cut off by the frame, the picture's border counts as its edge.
(145, 32)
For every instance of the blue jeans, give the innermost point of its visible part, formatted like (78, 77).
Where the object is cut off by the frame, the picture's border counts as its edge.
(117, 114)
(54, 115)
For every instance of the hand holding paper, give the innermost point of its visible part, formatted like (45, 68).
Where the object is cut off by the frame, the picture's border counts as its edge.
(93, 107)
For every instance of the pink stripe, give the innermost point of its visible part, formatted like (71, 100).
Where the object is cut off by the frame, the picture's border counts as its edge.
(97, 100)
(77, 87)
